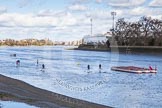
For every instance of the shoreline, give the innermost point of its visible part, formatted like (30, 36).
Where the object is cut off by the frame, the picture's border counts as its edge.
(19, 91)
(123, 49)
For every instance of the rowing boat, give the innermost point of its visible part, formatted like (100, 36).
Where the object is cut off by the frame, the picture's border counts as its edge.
(133, 69)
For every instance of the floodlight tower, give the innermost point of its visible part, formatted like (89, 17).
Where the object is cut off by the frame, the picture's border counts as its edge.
(113, 14)
(91, 25)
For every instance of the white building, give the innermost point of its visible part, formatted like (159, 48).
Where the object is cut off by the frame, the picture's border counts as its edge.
(97, 39)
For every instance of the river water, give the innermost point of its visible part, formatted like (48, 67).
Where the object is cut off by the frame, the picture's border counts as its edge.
(66, 73)
(9, 104)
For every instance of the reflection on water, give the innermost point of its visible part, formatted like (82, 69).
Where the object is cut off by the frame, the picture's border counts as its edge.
(66, 73)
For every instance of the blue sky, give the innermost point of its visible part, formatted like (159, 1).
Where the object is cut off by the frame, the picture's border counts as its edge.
(67, 20)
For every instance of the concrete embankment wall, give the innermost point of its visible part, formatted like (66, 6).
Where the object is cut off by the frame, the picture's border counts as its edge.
(123, 49)
(16, 90)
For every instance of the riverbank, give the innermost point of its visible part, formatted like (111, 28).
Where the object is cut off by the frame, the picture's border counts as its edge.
(16, 90)
(125, 49)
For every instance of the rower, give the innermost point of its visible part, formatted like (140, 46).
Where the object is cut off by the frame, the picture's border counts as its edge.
(155, 68)
(37, 62)
(88, 67)
(13, 55)
(18, 63)
(43, 66)
(99, 66)
(150, 68)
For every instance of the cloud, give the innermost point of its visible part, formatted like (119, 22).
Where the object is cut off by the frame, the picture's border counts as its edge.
(32, 3)
(138, 11)
(77, 7)
(125, 3)
(145, 11)
(23, 3)
(31, 20)
(98, 14)
(105, 14)
(53, 24)
(3, 10)
(156, 3)
(113, 3)
(48, 12)
(99, 1)
(80, 1)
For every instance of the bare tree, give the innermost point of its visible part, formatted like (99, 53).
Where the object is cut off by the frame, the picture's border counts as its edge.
(146, 31)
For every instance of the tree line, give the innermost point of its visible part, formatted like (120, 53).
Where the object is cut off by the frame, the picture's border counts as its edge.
(145, 32)
(26, 42)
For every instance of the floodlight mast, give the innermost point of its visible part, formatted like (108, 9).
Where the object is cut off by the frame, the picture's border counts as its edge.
(113, 14)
